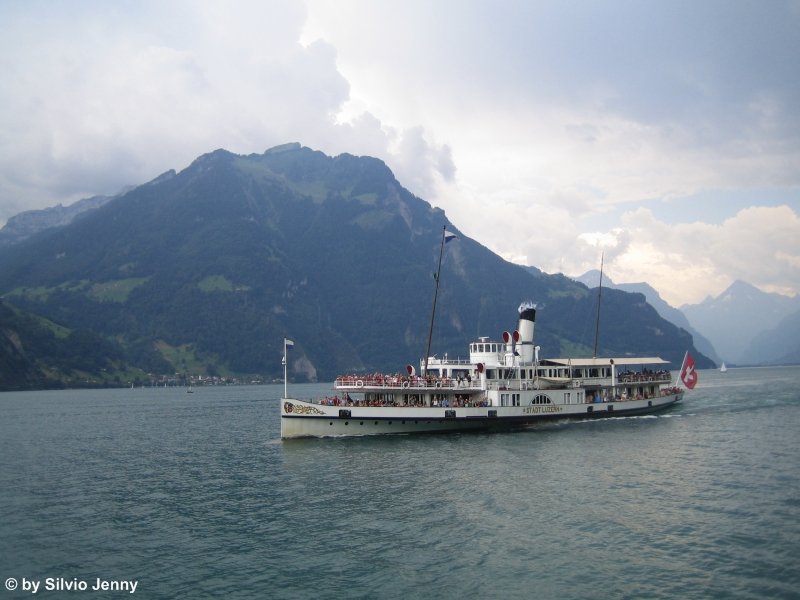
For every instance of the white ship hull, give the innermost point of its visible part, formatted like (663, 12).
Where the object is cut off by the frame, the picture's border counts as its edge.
(305, 419)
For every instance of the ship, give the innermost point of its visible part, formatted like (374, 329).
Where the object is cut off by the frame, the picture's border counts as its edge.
(502, 384)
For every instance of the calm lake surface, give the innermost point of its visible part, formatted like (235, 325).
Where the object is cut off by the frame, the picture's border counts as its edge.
(195, 496)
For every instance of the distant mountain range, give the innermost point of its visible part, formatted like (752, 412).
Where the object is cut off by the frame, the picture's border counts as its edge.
(206, 270)
(748, 326)
(743, 325)
(673, 315)
(28, 223)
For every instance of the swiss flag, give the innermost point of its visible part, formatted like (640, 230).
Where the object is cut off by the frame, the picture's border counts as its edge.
(688, 372)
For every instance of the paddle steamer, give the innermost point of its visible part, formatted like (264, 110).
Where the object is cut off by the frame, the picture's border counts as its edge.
(503, 384)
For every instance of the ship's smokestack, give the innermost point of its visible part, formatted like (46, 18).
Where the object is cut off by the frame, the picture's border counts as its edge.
(527, 321)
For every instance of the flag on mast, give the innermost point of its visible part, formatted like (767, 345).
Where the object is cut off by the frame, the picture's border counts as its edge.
(688, 371)
(287, 343)
(448, 236)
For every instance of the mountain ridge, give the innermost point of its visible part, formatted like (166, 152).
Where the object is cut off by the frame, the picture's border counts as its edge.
(752, 327)
(674, 315)
(736, 318)
(213, 265)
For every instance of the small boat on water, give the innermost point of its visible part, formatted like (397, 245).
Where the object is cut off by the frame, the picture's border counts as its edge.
(501, 385)
(723, 368)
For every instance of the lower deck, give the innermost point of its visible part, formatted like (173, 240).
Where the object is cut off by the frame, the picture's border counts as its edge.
(306, 419)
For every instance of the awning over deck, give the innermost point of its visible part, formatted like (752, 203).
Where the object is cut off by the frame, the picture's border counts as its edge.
(604, 362)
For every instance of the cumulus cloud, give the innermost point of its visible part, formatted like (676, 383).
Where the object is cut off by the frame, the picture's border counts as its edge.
(563, 116)
(101, 95)
(687, 262)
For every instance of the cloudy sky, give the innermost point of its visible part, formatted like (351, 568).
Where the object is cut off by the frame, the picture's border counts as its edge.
(665, 134)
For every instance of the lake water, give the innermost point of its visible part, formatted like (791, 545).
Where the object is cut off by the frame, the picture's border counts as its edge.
(195, 496)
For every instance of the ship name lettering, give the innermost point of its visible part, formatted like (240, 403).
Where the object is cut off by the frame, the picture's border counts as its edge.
(545, 408)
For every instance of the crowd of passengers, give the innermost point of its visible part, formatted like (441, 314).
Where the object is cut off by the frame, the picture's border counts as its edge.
(398, 380)
(380, 379)
(440, 401)
(607, 396)
(645, 375)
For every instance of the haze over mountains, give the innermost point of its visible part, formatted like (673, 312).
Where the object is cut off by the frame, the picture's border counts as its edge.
(28, 223)
(206, 270)
(742, 325)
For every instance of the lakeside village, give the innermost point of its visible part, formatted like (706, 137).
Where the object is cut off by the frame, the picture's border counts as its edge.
(176, 380)
(183, 380)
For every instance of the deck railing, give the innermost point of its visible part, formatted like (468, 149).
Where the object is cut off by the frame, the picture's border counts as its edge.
(399, 383)
(396, 383)
(652, 377)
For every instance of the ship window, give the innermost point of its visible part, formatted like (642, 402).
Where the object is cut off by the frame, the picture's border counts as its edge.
(541, 399)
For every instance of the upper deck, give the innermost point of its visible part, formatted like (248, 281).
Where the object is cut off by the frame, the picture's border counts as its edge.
(463, 377)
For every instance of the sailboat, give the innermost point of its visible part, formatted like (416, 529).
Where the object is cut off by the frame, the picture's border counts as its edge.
(723, 368)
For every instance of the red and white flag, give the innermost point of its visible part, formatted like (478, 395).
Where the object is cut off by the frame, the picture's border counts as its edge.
(688, 372)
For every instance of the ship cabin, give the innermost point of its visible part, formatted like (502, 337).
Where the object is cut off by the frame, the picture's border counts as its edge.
(501, 366)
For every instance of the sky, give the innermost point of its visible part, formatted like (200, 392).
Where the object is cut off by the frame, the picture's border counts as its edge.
(664, 136)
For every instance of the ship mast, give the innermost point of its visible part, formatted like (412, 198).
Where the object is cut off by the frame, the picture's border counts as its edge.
(435, 296)
(597, 319)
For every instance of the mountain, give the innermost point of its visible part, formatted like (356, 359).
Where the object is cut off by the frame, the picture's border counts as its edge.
(734, 319)
(673, 315)
(38, 354)
(211, 267)
(778, 346)
(25, 224)
(18, 371)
